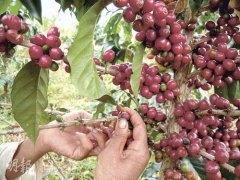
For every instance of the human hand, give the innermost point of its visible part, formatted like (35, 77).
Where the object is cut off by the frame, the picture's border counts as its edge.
(76, 142)
(114, 162)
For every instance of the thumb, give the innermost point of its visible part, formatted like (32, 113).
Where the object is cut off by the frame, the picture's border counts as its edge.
(120, 135)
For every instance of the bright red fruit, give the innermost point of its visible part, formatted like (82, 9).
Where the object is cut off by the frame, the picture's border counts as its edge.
(148, 5)
(120, 3)
(211, 167)
(14, 37)
(236, 38)
(53, 31)
(35, 52)
(12, 22)
(136, 4)
(45, 61)
(38, 39)
(160, 12)
(56, 53)
(109, 56)
(222, 156)
(129, 15)
(125, 115)
(53, 41)
(237, 171)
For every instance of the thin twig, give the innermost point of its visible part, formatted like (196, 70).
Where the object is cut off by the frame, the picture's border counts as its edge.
(193, 74)
(61, 125)
(99, 68)
(104, 70)
(212, 158)
(55, 164)
(26, 44)
(202, 40)
(54, 112)
(5, 105)
(232, 113)
(49, 111)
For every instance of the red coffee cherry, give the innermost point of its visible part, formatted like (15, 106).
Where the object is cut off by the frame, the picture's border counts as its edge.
(53, 31)
(14, 37)
(56, 53)
(45, 62)
(35, 52)
(109, 56)
(120, 3)
(38, 39)
(53, 41)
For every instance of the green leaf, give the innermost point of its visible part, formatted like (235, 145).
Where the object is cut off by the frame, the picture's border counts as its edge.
(229, 92)
(137, 69)
(4, 4)
(100, 108)
(34, 7)
(15, 7)
(195, 5)
(83, 70)
(29, 98)
(64, 4)
(112, 24)
(107, 99)
(198, 165)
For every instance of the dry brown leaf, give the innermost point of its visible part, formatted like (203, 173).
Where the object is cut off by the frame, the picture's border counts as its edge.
(181, 6)
(236, 5)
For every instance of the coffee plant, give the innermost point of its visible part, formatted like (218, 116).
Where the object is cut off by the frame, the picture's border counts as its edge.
(164, 56)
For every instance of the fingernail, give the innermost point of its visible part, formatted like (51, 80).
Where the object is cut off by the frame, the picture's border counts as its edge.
(122, 123)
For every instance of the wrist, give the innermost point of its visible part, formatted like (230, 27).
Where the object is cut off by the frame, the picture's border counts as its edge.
(42, 145)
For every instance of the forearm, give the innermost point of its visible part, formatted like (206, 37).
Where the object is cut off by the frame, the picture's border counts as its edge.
(26, 155)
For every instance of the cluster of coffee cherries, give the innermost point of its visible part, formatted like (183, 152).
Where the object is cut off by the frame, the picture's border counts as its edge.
(12, 30)
(216, 133)
(122, 78)
(108, 56)
(157, 29)
(221, 5)
(218, 63)
(152, 83)
(152, 113)
(218, 67)
(196, 83)
(183, 172)
(45, 51)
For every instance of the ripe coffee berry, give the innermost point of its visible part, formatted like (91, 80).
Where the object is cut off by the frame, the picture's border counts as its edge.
(237, 171)
(53, 31)
(45, 61)
(109, 56)
(125, 115)
(53, 41)
(14, 37)
(120, 3)
(211, 167)
(35, 52)
(56, 53)
(38, 39)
